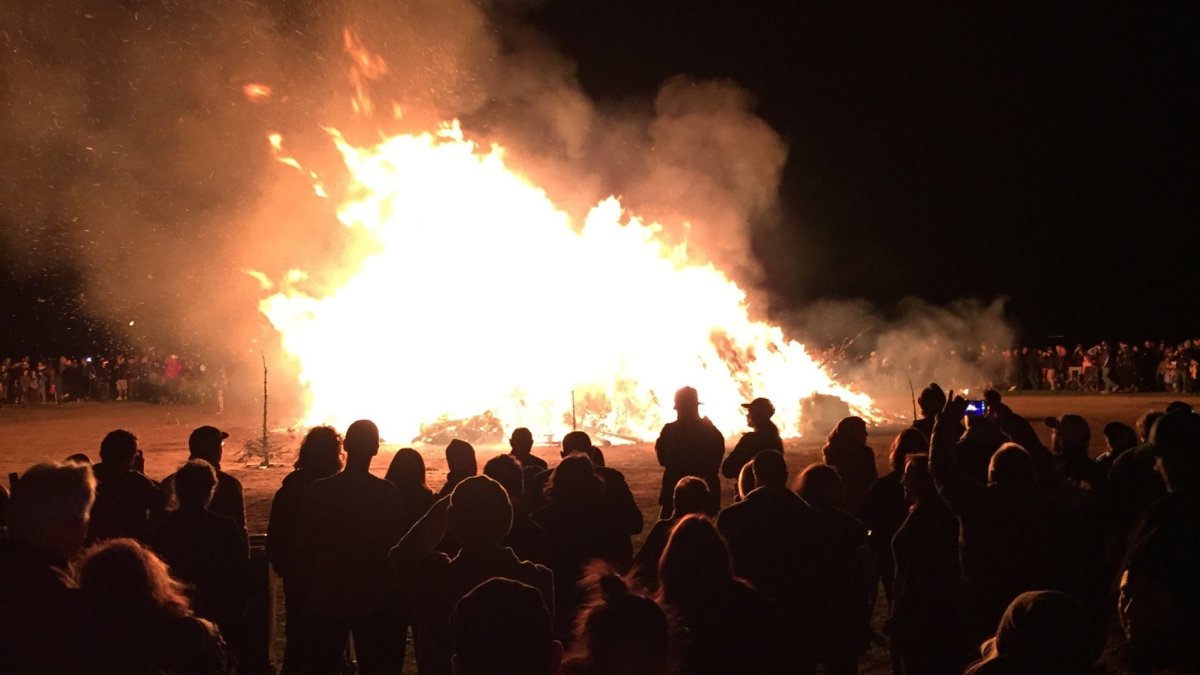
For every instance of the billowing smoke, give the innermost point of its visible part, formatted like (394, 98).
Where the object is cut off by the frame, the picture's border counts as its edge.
(960, 346)
(130, 153)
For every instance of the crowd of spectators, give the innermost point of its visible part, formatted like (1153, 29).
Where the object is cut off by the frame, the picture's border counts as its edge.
(150, 377)
(998, 554)
(1104, 367)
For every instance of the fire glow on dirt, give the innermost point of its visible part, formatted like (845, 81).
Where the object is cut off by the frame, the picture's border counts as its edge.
(477, 294)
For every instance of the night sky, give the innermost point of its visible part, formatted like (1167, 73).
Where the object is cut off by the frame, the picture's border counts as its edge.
(1042, 151)
(1046, 152)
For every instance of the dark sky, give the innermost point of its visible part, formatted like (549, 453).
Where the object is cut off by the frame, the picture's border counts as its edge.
(1042, 151)
(1046, 152)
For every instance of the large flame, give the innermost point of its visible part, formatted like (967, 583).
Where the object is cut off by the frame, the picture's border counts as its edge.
(477, 294)
(476, 297)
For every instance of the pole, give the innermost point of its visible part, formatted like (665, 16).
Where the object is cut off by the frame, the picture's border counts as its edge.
(913, 392)
(574, 423)
(266, 441)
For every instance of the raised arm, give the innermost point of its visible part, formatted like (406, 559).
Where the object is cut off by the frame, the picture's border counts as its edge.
(958, 490)
(422, 537)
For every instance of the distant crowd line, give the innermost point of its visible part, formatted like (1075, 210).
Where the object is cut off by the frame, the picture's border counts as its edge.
(1104, 367)
(997, 554)
(151, 377)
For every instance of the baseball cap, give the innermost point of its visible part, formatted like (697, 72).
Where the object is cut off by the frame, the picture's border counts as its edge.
(760, 406)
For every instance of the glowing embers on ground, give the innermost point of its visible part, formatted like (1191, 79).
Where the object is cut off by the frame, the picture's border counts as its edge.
(476, 293)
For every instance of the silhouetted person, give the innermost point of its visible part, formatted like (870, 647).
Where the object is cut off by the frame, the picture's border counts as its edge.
(1040, 633)
(207, 552)
(924, 624)
(138, 618)
(886, 507)
(1005, 535)
(846, 450)
(208, 443)
(581, 528)
(775, 542)
(689, 446)
(526, 538)
(503, 627)
(764, 436)
(931, 401)
(521, 443)
(618, 499)
(1133, 484)
(320, 457)
(1159, 605)
(1069, 440)
(1120, 438)
(39, 609)
(127, 502)
(842, 591)
(460, 460)
(691, 496)
(347, 524)
(478, 514)
(618, 632)
(407, 472)
(728, 626)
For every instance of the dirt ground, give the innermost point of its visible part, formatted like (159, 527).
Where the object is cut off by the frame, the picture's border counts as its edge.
(48, 432)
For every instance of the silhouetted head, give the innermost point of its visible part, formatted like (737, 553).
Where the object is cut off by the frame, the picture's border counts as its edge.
(770, 469)
(207, 443)
(1071, 434)
(507, 471)
(1120, 437)
(1176, 441)
(460, 458)
(850, 430)
(122, 578)
(361, 441)
(596, 455)
(521, 441)
(320, 452)
(932, 400)
(822, 487)
(502, 627)
(1159, 603)
(1010, 465)
(480, 513)
(1179, 406)
(407, 468)
(575, 441)
(908, 442)
(118, 449)
(694, 563)
(759, 412)
(691, 495)
(687, 403)
(620, 631)
(1145, 423)
(195, 483)
(49, 507)
(917, 482)
(1046, 628)
(574, 479)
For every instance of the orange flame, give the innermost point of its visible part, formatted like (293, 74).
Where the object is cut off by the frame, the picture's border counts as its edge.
(476, 293)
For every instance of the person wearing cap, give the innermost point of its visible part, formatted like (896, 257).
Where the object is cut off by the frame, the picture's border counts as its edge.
(764, 435)
(1069, 443)
(208, 443)
(689, 446)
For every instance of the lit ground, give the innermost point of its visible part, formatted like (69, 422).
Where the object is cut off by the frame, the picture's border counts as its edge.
(47, 432)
